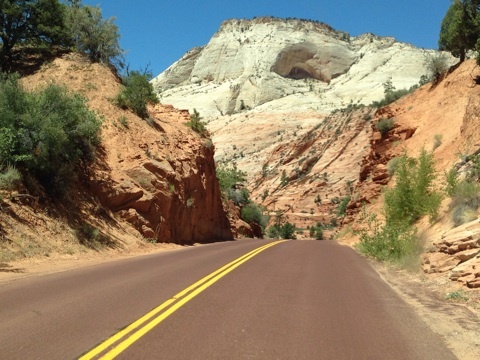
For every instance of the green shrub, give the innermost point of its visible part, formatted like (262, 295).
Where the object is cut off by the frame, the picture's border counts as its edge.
(285, 231)
(391, 94)
(392, 166)
(342, 206)
(196, 123)
(384, 125)
(48, 132)
(137, 93)
(10, 178)
(238, 196)
(473, 168)
(253, 213)
(436, 65)
(437, 141)
(229, 177)
(413, 194)
(319, 234)
(451, 179)
(284, 179)
(465, 202)
(389, 241)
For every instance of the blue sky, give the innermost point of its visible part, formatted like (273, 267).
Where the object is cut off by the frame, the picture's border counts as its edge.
(160, 32)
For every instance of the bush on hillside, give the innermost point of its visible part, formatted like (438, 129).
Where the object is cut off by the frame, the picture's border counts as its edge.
(137, 93)
(48, 132)
(392, 94)
(389, 241)
(34, 22)
(436, 65)
(412, 196)
(196, 123)
(384, 125)
(229, 177)
(465, 202)
(10, 178)
(253, 213)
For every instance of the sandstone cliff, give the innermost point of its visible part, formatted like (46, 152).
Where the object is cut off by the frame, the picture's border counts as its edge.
(152, 181)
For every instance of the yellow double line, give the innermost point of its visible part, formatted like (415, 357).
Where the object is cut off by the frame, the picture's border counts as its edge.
(146, 323)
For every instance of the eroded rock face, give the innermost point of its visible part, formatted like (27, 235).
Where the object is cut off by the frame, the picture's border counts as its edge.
(457, 252)
(307, 60)
(166, 187)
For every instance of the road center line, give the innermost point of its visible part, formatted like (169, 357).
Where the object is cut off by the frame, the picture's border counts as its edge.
(173, 304)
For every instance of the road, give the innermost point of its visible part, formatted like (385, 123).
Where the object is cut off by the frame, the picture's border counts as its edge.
(288, 300)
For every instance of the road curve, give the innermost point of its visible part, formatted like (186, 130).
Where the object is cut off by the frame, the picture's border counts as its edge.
(293, 300)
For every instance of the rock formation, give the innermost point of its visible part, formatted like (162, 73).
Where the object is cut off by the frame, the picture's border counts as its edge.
(157, 175)
(287, 64)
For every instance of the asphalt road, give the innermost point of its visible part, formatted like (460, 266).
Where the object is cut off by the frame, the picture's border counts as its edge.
(291, 300)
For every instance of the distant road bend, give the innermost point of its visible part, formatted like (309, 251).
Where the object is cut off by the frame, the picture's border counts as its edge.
(247, 299)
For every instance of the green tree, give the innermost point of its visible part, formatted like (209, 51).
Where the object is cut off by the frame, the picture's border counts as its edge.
(26, 22)
(93, 35)
(460, 29)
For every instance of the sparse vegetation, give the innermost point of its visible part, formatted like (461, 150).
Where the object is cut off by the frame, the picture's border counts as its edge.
(465, 202)
(316, 232)
(123, 121)
(392, 166)
(391, 94)
(465, 193)
(284, 179)
(456, 296)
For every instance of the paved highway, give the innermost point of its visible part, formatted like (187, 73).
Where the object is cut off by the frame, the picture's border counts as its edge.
(248, 299)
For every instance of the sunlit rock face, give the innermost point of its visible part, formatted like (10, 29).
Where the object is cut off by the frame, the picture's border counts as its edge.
(287, 65)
